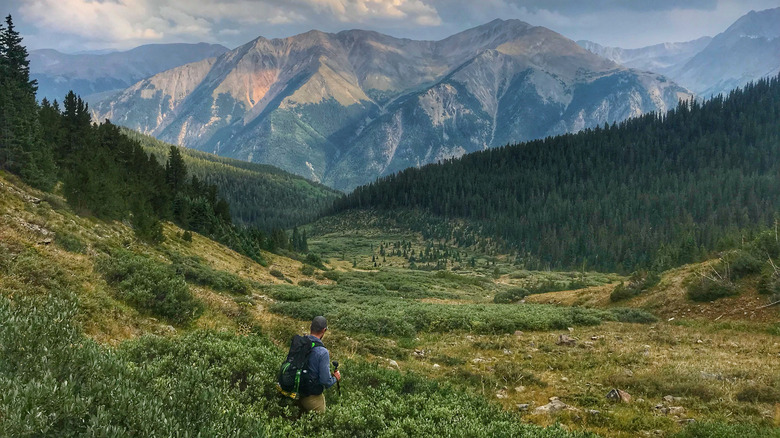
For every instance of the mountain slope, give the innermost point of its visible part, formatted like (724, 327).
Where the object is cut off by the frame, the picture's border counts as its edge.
(89, 74)
(260, 196)
(652, 191)
(345, 108)
(659, 58)
(748, 50)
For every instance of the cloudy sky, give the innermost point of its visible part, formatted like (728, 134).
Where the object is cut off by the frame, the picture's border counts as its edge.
(81, 25)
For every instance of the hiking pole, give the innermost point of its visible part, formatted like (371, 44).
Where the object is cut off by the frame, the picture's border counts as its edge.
(336, 368)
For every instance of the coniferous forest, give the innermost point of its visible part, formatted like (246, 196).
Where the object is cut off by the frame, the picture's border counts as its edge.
(655, 191)
(103, 171)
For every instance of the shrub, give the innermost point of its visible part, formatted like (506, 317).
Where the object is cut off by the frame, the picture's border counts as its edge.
(307, 283)
(741, 264)
(307, 270)
(510, 295)
(276, 273)
(639, 282)
(759, 394)
(70, 242)
(706, 289)
(150, 286)
(196, 272)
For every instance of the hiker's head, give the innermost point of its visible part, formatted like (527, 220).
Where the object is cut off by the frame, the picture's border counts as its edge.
(319, 325)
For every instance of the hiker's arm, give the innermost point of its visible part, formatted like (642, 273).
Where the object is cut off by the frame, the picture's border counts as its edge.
(324, 371)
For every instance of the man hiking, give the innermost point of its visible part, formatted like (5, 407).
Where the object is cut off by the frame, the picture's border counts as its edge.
(305, 374)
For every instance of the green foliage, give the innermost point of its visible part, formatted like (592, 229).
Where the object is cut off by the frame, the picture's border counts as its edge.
(675, 186)
(741, 264)
(260, 196)
(195, 271)
(307, 270)
(639, 282)
(711, 429)
(759, 394)
(56, 381)
(510, 295)
(150, 286)
(70, 242)
(277, 273)
(708, 289)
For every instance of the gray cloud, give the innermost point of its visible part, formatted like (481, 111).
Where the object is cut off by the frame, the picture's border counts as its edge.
(74, 25)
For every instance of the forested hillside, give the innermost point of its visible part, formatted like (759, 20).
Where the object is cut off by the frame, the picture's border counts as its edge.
(654, 191)
(260, 196)
(102, 172)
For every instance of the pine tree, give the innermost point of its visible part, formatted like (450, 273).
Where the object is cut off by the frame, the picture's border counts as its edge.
(175, 170)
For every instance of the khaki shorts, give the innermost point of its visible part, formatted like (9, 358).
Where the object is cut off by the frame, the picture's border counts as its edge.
(314, 403)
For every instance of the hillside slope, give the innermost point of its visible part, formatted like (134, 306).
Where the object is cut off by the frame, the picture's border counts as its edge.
(345, 108)
(259, 195)
(658, 189)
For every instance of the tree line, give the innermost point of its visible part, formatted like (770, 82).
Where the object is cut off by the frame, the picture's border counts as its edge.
(655, 191)
(105, 173)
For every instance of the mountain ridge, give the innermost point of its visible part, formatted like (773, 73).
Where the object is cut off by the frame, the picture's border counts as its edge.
(348, 107)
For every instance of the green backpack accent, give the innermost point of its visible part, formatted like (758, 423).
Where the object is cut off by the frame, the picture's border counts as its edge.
(294, 380)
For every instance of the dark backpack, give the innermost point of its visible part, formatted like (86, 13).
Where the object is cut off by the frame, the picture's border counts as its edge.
(295, 381)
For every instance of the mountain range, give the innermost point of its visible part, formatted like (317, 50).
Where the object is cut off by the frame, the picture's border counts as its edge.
(349, 107)
(91, 75)
(748, 50)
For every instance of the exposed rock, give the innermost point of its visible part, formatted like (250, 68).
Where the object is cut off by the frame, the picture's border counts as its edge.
(554, 406)
(519, 388)
(618, 395)
(501, 394)
(676, 410)
(523, 406)
(419, 353)
(518, 333)
(507, 352)
(436, 366)
(672, 399)
(593, 412)
(596, 338)
(393, 364)
(566, 340)
(628, 373)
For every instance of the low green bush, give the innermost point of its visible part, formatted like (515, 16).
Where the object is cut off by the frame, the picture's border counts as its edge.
(54, 381)
(70, 242)
(638, 282)
(276, 273)
(742, 263)
(759, 394)
(150, 286)
(194, 271)
(705, 289)
(510, 295)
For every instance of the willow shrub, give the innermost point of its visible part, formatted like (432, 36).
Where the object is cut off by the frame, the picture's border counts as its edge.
(54, 381)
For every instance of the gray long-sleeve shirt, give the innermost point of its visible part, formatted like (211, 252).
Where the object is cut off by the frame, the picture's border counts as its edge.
(319, 365)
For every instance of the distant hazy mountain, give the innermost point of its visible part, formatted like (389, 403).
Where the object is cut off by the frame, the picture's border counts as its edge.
(659, 58)
(346, 108)
(748, 50)
(90, 73)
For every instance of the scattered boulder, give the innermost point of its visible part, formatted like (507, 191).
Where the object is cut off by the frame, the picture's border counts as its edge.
(519, 388)
(672, 399)
(554, 406)
(518, 333)
(436, 366)
(619, 396)
(676, 410)
(393, 364)
(522, 407)
(566, 340)
(507, 351)
(593, 412)
(419, 353)
(596, 338)
(501, 394)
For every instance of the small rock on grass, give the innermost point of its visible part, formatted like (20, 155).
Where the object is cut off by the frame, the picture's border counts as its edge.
(618, 395)
(566, 340)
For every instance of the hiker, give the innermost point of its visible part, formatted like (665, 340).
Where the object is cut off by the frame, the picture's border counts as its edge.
(305, 374)
(318, 368)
